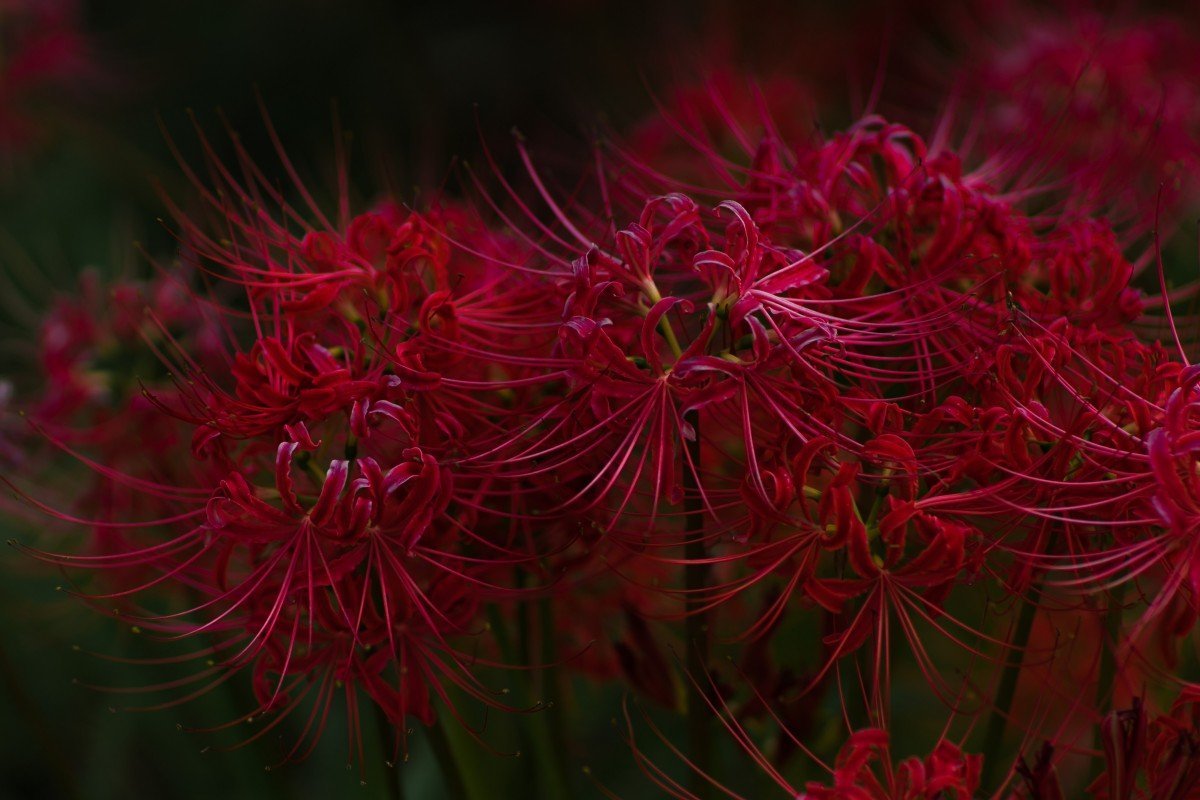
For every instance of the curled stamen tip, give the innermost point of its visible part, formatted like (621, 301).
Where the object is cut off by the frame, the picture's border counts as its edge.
(179, 726)
(390, 764)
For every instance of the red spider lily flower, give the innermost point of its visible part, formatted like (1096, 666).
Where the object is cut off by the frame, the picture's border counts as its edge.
(834, 386)
(1171, 483)
(46, 53)
(327, 534)
(723, 115)
(658, 332)
(1091, 110)
(897, 563)
(85, 393)
(945, 773)
(361, 580)
(1116, 97)
(991, 352)
(1146, 756)
(862, 770)
(96, 348)
(984, 346)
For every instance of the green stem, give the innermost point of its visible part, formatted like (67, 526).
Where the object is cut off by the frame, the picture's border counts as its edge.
(546, 726)
(993, 740)
(452, 772)
(1108, 657)
(699, 716)
(664, 326)
(389, 771)
(1105, 686)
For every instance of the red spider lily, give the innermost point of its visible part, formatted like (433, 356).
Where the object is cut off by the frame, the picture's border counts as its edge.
(1165, 750)
(327, 533)
(95, 349)
(862, 770)
(361, 570)
(624, 419)
(939, 291)
(46, 54)
(843, 385)
(85, 394)
(1146, 756)
(985, 348)
(722, 115)
(1110, 99)
(945, 773)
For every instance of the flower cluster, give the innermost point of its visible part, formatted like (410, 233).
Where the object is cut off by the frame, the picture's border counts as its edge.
(46, 52)
(849, 406)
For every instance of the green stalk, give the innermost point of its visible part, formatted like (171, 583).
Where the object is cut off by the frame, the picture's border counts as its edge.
(389, 772)
(1105, 686)
(544, 728)
(695, 578)
(1108, 658)
(453, 773)
(548, 727)
(993, 740)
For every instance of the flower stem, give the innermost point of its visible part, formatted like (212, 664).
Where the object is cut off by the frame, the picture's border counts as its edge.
(993, 741)
(545, 731)
(548, 727)
(452, 774)
(696, 631)
(1106, 688)
(389, 771)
